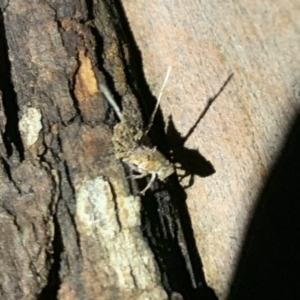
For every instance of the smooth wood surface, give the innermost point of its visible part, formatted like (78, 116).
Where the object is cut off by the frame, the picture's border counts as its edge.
(243, 130)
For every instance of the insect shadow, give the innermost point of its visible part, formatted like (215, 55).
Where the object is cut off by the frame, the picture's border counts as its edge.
(190, 160)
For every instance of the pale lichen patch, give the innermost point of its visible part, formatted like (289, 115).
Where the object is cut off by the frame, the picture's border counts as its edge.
(103, 215)
(95, 208)
(30, 126)
(129, 212)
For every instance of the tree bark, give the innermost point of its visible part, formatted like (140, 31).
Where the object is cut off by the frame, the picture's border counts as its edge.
(70, 227)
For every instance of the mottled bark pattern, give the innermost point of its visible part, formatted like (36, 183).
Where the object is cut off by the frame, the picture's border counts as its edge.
(70, 228)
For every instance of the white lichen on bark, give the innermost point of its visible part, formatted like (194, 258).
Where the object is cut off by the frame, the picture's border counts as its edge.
(30, 126)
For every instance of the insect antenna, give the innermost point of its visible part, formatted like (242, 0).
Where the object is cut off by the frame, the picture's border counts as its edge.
(111, 100)
(158, 101)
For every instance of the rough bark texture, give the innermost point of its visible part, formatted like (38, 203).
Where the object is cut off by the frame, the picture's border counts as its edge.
(72, 226)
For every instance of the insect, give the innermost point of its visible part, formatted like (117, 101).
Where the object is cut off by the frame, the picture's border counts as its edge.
(132, 144)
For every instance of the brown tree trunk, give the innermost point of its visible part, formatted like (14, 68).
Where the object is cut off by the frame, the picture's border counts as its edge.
(72, 226)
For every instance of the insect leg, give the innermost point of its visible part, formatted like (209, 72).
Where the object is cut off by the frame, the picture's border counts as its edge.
(152, 179)
(141, 175)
